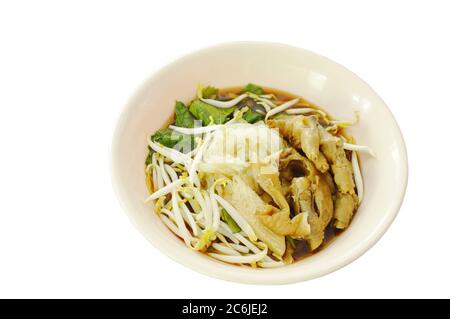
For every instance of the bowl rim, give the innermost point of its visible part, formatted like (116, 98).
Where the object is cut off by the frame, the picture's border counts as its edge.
(356, 252)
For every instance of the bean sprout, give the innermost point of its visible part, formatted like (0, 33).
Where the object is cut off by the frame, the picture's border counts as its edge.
(358, 177)
(225, 250)
(171, 226)
(225, 104)
(211, 219)
(196, 130)
(359, 148)
(173, 155)
(243, 224)
(165, 190)
(282, 107)
(241, 259)
(305, 110)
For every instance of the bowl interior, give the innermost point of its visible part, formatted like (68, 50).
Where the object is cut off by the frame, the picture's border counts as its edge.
(295, 70)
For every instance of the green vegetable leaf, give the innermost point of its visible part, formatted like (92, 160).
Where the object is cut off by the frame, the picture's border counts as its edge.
(209, 92)
(183, 117)
(252, 116)
(230, 221)
(203, 112)
(253, 88)
(167, 137)
(148, 159)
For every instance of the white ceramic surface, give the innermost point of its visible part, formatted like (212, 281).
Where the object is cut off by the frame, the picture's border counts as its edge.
(295, 70)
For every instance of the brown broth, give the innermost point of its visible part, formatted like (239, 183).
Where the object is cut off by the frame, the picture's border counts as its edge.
(302, 250)
(281, 95)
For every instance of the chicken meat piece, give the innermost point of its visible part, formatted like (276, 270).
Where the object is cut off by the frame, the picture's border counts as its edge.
(278, 218)
(345, 206)
(292, 164)
(279, 221)
(303, 204)
(332, 148)
(270, 183)
(329, 180)
(248, 204)
(303, 133)
(323, 200)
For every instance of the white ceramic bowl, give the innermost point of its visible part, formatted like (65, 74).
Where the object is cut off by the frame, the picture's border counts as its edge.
(295, 70)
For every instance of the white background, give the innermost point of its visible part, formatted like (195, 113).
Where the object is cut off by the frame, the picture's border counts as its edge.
(68, 67)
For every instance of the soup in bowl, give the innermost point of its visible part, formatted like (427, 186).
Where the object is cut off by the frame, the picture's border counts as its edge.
(259, 163)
